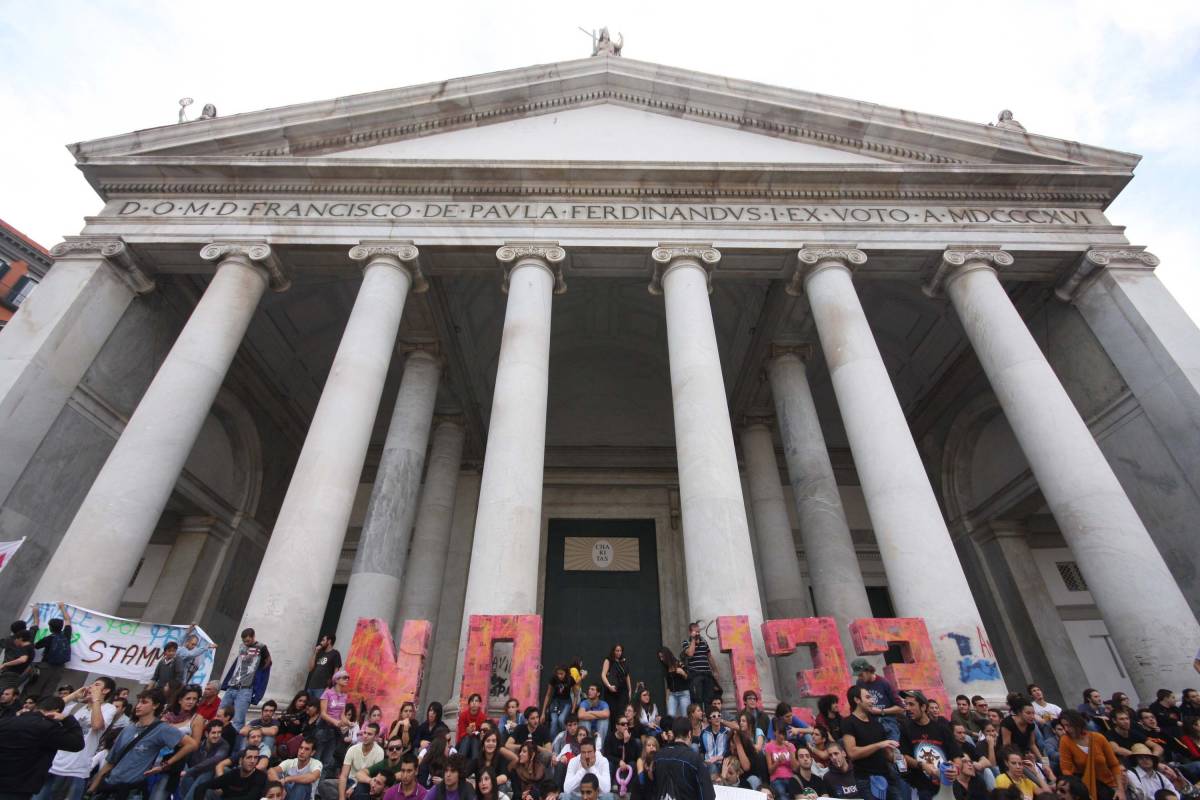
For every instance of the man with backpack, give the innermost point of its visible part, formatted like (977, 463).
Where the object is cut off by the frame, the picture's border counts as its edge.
(56, 652)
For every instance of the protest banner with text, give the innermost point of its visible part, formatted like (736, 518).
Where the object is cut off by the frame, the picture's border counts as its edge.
(122, 648)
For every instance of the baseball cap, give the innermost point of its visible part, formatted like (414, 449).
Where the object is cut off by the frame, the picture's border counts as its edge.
(862, 665)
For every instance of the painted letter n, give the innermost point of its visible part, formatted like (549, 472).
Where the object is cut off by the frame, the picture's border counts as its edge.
(378, 675)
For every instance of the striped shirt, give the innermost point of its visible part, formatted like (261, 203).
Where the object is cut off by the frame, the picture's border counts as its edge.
(699, 661)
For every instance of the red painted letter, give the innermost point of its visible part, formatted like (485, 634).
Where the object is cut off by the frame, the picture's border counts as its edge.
(525, 632)
(920, 669)
(733, 636)
(377, 675)
(820, 635)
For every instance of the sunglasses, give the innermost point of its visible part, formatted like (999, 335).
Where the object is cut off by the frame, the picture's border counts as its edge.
(394, 748)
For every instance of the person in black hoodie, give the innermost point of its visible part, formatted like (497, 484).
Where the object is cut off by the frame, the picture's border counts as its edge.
(679, 771)
(28, 743)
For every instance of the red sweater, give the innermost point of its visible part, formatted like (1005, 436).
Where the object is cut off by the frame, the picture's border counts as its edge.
(208, 709)
(465, 718)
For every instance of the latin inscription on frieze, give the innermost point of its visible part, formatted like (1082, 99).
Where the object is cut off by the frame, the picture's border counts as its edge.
(601, 213)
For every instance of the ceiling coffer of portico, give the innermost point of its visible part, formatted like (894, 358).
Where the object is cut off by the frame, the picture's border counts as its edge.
(864, 131)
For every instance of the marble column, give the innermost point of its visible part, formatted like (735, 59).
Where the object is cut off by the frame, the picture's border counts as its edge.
(127, 498)
(54, 337)
(925, 577)
(833, 568)
(1114, 551)
(716, 537)
(289, 595)
(503, 577)
(784, 589)
(1012, 541)
(375, 577)
(421, 594)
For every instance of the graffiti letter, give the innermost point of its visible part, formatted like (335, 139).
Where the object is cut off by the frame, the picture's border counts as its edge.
(820, 635)
(378, 675)
(733, 635)
(484, 630)
(920, 669)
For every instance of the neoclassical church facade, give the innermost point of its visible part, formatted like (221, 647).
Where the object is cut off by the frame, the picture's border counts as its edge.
(625, 346)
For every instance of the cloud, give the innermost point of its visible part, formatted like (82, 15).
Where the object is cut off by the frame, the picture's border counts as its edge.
(1101, 72)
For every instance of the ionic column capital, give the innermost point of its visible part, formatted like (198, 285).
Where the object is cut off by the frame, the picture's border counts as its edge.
(818, 257)
(805, 351)
(958, 261)
(427, 350)
(1091, 263)
(401, 255)
(452, 420)
(546, 255)
(669, 255)
(252, 253)
(112, 250)
(759, 420)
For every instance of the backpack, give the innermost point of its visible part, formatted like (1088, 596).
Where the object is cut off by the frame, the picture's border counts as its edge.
(58, 649)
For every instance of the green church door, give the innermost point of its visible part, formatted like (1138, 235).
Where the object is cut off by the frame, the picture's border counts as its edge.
(602, 590)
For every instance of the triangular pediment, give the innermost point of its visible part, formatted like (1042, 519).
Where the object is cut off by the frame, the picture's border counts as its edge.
(603, 111)
(608, 132)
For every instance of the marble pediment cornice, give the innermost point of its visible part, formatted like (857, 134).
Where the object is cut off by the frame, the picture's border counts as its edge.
(894, 183)
(322, 127)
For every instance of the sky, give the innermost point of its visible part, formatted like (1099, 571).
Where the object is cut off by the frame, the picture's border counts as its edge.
(1120, 75)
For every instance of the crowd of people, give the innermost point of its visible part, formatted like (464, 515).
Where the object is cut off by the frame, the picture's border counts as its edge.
(589, 738)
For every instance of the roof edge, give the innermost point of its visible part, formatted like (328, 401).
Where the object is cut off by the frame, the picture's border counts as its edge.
(706, 94)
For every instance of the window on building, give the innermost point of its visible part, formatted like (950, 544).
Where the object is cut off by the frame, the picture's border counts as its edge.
(5, 266)
(21, 290)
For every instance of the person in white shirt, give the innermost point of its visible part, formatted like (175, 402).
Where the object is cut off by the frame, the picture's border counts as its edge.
(299, 775)
(91, 709)
(359, 756)
(1045, 711)
(588, 762)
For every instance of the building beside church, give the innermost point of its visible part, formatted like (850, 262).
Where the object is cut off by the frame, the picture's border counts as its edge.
(623, 345)
(23, 262)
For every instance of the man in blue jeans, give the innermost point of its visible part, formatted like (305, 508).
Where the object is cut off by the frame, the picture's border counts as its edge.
(239, 688)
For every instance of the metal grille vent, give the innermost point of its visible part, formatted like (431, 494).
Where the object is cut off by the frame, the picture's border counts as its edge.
(1071, 576)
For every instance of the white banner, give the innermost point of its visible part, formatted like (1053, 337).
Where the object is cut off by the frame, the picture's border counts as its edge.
(7, 549)
(122, 648)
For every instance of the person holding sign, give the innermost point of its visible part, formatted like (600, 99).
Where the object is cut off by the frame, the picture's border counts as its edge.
(56, 652)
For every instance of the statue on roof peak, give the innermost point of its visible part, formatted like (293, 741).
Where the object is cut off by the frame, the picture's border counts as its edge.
(1005, 120)
(605, 46)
